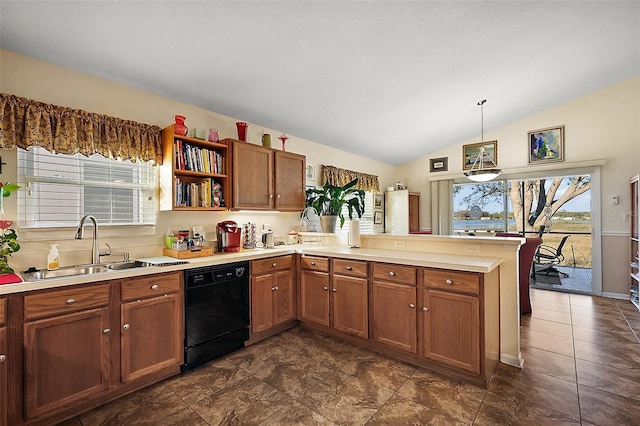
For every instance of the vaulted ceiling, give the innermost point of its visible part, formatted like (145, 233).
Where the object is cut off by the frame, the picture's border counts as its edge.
(388, 80)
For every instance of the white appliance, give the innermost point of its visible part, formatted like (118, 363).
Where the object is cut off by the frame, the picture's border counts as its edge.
(396, 212)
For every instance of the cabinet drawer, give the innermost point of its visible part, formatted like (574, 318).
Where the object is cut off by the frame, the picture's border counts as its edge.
(58, 302)
(271, 264)
(465, 282)
(3, 310)
(314, 263)
(396, 273)
(356, 268)
(151, 286)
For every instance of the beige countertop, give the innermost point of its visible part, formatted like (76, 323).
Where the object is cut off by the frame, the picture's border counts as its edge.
(433, 260)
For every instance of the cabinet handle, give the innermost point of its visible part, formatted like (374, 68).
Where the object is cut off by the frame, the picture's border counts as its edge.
(278, 196)
(448, 282)
(391, 273)
(349, 268)
(313, 263)
(325, 288)
(275, 288)
(3, 358)
(412, 306)
(106, 331)
(154, 287)
(333, 290)
(425, 309)
(274, 264)
(126, 326)
(71, 301)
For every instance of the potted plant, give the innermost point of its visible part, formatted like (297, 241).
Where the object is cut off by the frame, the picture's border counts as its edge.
(330, 200)
(8, 236)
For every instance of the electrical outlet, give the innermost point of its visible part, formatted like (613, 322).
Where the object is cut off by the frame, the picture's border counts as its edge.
(398, 244)
(472, 248)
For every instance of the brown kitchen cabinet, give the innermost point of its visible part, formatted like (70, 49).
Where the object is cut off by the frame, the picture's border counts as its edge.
(460, 324)
(272, 294)
(67, 347)
(394, 306)
(267, 179)
(190, 169)
(339, 299)
(3, 362)
(151, 324)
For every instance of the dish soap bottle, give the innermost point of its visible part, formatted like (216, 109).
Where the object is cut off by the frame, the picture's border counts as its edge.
(53, 259)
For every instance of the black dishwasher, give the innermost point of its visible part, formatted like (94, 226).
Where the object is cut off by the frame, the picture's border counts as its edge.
(216, 312)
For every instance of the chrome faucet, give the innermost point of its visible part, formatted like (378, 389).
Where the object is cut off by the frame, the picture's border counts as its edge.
(95, 247)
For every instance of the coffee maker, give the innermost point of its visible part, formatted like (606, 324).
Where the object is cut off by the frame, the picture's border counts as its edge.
(228, 235)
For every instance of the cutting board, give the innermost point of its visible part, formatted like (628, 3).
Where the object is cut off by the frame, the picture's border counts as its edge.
(160, 261)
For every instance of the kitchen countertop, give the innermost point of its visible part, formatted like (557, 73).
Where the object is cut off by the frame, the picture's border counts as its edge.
(433, 260)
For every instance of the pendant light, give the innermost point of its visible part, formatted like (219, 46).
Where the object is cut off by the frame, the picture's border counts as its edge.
(484, 168)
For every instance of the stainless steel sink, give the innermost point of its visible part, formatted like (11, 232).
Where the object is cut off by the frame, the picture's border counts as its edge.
(126, 265)
(82, 270)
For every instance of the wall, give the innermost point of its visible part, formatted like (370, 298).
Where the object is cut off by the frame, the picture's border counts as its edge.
(600, 125)
(41, 81)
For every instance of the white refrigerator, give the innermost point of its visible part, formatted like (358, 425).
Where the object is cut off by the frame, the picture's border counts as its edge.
(396, 212)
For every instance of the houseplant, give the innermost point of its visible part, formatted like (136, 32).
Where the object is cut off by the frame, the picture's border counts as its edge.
(8, 236)
(330, 200)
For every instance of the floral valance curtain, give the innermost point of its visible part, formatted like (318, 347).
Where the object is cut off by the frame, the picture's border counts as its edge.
(341, 177)
(25, 123)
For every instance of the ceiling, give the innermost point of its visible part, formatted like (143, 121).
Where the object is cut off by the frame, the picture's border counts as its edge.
(388, 80)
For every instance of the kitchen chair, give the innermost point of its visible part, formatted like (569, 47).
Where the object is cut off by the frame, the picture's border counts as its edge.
(525, 261)
(550, 256)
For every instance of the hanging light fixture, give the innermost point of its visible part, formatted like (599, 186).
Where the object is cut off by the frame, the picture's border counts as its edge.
(484, 168)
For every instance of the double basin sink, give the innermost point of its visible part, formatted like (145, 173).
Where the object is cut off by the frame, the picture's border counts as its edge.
(82, 270)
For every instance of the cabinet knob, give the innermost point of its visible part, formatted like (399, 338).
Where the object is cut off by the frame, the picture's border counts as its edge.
(274, 288)
(412, 306)
(270, 195)
(126, 326)
(278, 196)
(71, 301)
(3, 358)
(448, 282)
(425, 309)
(325, 288)
(106, 331)
(333, 290)
(154, 287)
(313, 263)
(391, 273)
(274, 264)
(349, 268)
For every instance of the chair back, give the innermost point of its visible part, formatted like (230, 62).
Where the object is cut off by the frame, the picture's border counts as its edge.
(562, 241)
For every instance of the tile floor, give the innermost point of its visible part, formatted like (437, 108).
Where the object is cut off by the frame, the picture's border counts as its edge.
(582, 366)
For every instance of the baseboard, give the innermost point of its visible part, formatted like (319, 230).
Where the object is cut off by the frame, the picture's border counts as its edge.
(512, 361)
(621, 296)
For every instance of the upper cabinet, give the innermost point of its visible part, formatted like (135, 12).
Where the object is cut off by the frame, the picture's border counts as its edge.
(267, 179)
(195, 174)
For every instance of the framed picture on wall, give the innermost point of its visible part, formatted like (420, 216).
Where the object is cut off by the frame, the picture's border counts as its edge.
(546, 145)
(470, 153)
(439, 164)
(377, 201)
(377, 218)
(311, 172)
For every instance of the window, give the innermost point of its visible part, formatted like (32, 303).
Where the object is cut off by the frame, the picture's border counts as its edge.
(59, 189)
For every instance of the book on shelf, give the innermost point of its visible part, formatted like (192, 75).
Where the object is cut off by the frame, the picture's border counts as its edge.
(204, 193)
(193, 158)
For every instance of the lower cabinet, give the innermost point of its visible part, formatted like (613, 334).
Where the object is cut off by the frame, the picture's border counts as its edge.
(67, 343)
(3, 363)
(151, 330)
(314, 296)
(394, 306)
(272, 293)
(84, 346)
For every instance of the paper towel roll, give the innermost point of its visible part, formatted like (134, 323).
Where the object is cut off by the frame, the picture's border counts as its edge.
(354, 233)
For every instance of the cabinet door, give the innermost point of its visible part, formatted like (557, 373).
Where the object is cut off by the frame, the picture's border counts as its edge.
(394, 315)
(350, 305)
(3, 376)
(283, 306)
(151, 335)
(262, 303)
(289, 181)
(252, 177)
(314, 297)
(452, 329)
(67, 359)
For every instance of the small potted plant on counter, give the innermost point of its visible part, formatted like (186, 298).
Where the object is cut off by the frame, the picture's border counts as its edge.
(330, 200)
